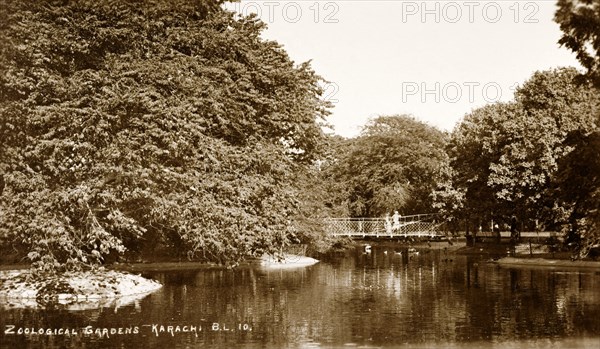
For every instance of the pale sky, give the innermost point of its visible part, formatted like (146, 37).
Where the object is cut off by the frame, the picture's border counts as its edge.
(436, 60)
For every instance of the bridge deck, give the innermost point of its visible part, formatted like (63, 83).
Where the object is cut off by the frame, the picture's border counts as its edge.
(406, 226)
(422, 225)
(431, 234)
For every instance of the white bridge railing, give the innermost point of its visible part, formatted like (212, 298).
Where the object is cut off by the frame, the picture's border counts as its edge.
(422, 225)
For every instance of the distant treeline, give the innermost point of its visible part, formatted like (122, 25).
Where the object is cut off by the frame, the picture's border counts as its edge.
(536, 160)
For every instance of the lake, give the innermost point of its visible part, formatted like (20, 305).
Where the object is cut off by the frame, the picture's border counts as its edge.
(389, 298)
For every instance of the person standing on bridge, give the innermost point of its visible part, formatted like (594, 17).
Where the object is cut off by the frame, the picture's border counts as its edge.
(388, 224)
(396, 221)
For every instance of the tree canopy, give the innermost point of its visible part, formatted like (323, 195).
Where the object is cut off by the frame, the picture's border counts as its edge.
(393, 165)
(132, 124)
(510, 158)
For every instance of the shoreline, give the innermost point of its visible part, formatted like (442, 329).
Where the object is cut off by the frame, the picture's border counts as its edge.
(451, 247)
(116, 281)
(457, 247)
(547, 263)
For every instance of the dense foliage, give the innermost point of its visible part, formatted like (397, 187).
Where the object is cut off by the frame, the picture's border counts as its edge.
(522, 158)
(577, 187)
(580, 23)
(394, 164)
(128, 125)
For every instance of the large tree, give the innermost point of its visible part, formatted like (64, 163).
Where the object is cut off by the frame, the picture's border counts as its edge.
(394, 164)
(131, 124)
(552, 104)
(474, 146)
(505, 157)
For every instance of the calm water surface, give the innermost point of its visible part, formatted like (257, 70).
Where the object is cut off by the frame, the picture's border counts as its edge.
(381, 299)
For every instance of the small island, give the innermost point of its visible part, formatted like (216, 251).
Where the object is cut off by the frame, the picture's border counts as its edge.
(287, 261)
(72, 290)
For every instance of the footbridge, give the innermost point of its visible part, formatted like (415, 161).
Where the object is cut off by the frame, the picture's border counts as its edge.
(420, 225)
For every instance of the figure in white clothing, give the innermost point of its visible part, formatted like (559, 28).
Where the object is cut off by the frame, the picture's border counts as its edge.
(388, 224)
(396, 221)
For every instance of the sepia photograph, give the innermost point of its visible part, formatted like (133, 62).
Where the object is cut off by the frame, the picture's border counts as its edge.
(299, 174)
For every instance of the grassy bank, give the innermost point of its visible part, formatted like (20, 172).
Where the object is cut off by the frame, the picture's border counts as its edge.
(545, 262)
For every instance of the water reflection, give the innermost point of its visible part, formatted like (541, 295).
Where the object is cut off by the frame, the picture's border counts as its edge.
(391, 297)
